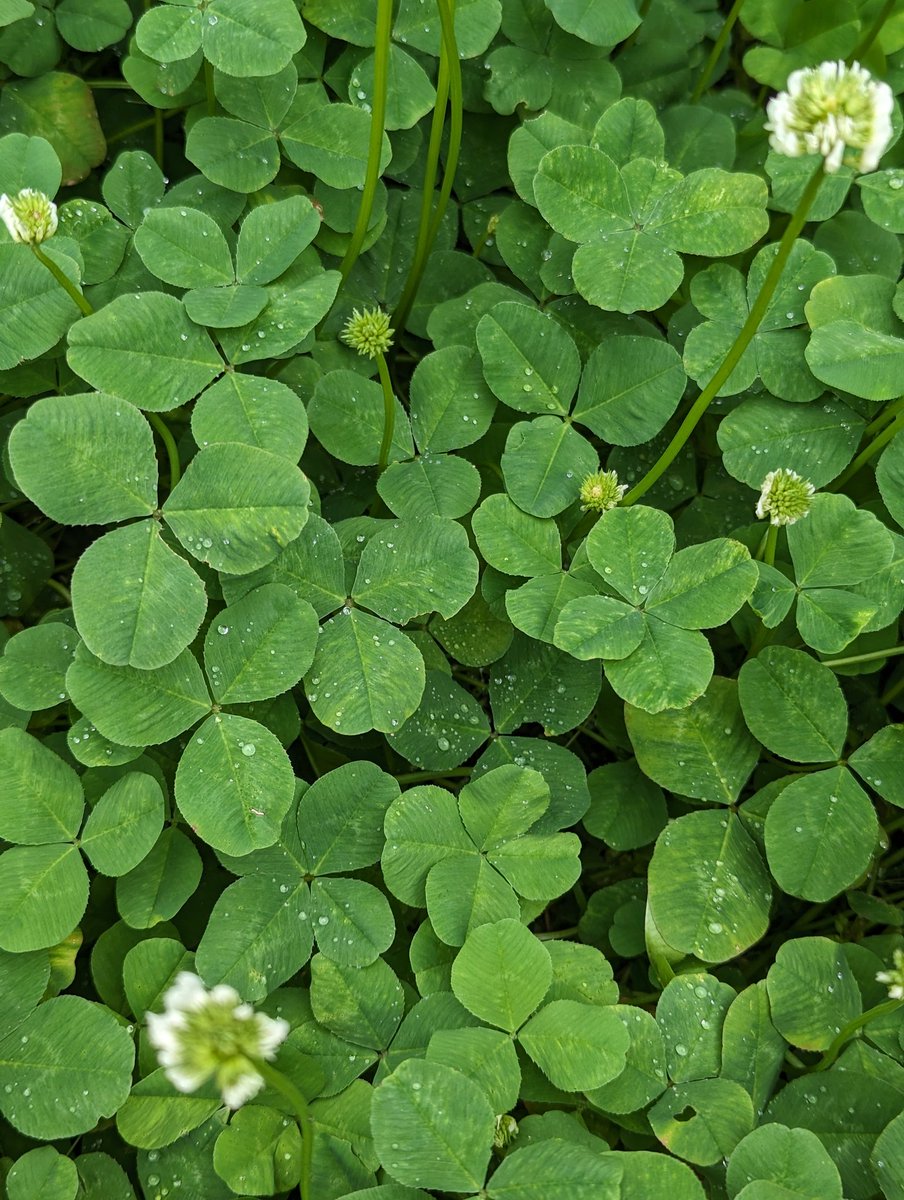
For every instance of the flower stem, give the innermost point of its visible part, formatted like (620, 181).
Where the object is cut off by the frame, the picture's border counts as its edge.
(377, 123)
(866, 42)
(880, 1010)
(868, 452)
(862, 658)
(741, 342)
(771, 543)
(63, 280)
(714, 54)
(388, 411)
(169, 442)
(448, 82)
(277, 1080)
(888, 413)
(208, 88)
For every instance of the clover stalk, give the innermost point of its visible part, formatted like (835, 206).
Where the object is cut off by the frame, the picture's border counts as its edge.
(275, 1078)
(377, 126)
(869, 451)
(852, 1029)
(742, 341)
(448, 89)
(716, 52)
(62, 279)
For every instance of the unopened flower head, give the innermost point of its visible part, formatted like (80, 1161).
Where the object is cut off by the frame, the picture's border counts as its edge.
(505, 1132)
(894, 979)
(835, 110)
(30, 216)
(205, 1034)
(785, 497)
(368, 332)
(601, 491)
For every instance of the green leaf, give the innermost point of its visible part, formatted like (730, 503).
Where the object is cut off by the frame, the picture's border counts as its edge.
(366, 674)
(29, 162)
(631, 548)
(59, 107)
(821, 833)
(36, 311)
(311, 565)
(626, 271)
(85, 459)
(440, 485)
(225, 307)
(890, 478)
(139, 345)
(234, 784)
(332, 143)
(340, 817)
(838, 544)
(353, 921)
(432, 1127)
(42, 798)
(794, 1160)
(124, 824)
(577, 1046)
(260, 646)
(34, 664)
(600, 22)
(43, 895)
(875, 761)
(543, 464)
(74, 1067)
(712, 212)
(529, 360)
(627, 809)
(254, 410)
(513, 541)
(464, 893)
(709, 890)
(579, 190)
(669, 669)
(853, 358)
(415, 845)
(446, 728)
(347, 413)
(485, 1055)
(243, 38)
(272, 236)
(703, 751)
(258, 935)
(887, 1159)
(237, 506)
(259, 1151)
(557, 1169)
(362, 1004)
(704, 586)
(501, 973)
(168, 34)
(409, 568)
(92, 25)
(233, 154)
(812, 992)
(156, 889)
(535, 682)
(793, 705)
(136, 602)
(43, 1172)
(599, 627)
(629, 389)
(138, 708)
(184, 247)
(643, 1078)
(703, 1121)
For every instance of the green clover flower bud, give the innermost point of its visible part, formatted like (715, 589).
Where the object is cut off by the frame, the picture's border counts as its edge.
(784, 497)
(601, 491)
(368, 332)
(203, 1034)
(506, 1131)
(30, 216)
(894, 979)
(829, 110)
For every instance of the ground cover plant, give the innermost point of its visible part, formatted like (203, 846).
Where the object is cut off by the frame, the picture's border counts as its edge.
(451, 567)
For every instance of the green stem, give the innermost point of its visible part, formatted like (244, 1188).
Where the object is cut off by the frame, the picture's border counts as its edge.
(208, 88)
(866, 42)
(429, 776)
(892, 692)
(868, 452)
(716, 52)
(63, 280)
(557, 933)
(277, 1080)
(377, 124)
(741, 342)
(388, 411)
(873, 656)
(888, 413)
(632, 37)
(852, 1027)
(169, 442)
(448, 81)
(158, 137)
(771, 543)
(56, 586)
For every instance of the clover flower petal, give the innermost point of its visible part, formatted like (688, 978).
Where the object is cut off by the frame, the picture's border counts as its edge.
(205, 1034)
(894, 979)
(835, 110)
(29, 216)
(784, 497)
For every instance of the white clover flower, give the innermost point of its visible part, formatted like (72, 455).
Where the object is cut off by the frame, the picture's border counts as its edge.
(601, 491)
(894, 979)
(203, 1034)
(30, 216)
(831, 110)
(785, 497)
